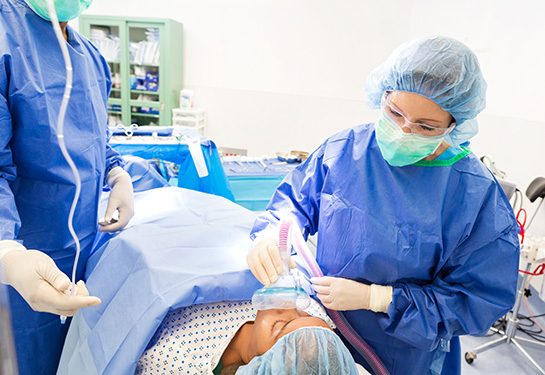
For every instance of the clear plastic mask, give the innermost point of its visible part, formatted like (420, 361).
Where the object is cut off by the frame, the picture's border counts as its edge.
(286, 292)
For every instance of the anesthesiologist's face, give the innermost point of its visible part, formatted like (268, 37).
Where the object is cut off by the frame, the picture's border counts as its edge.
(419, 109)
(271, 325)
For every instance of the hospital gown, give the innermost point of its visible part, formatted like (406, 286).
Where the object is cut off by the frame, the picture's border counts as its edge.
(442, 234)
(36, 184)
(191, 340)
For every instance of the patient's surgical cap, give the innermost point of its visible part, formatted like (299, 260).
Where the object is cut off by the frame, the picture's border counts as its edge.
(305, 351)
(441, 69)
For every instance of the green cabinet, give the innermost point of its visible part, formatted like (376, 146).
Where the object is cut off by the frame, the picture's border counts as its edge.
(145, 59)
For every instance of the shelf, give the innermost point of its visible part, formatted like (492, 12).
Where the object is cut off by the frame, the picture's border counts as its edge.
(115, 90)
(114, 112)
(115, 101)
(152, 65)
(113, 62)
(138, 114)
(144, 103)
(144, 92)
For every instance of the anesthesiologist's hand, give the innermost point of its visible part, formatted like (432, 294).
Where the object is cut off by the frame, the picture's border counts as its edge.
(341, 294)
(265, 262)
(38, 280)
(121, 200)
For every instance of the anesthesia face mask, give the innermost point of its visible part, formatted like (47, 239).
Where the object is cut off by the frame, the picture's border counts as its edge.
(286, 292)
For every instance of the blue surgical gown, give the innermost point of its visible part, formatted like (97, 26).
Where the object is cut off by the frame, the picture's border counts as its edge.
(36, 183)
(442, 234)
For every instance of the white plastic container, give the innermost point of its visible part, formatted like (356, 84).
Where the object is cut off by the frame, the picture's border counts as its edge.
(186, 99)
(194, 118)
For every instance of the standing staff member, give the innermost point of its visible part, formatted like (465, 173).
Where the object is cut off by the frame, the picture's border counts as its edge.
(416, 238)
(36, 184)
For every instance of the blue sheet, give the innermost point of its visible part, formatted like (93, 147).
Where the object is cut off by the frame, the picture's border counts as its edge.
(216, 181)
(182, 247)
(252, 184)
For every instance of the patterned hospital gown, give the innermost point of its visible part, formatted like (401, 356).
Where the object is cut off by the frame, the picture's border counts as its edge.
(191, 340)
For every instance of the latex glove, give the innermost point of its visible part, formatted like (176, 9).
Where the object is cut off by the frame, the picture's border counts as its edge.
(341, 294)
(38, 280)
(264, 259)
(121, 200)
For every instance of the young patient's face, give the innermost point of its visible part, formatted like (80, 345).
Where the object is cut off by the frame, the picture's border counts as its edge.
(271, 325)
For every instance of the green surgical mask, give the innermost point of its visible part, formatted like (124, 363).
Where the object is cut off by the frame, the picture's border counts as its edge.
(399, 148)
(66, 9)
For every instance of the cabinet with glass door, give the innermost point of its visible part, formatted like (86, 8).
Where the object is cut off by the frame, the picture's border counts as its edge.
(145, 59)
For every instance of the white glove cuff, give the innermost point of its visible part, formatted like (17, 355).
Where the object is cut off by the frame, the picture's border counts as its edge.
(380, 298)
(7, 246)
(114, 175)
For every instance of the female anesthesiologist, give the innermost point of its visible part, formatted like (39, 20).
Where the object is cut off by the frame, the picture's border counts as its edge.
(416, 239)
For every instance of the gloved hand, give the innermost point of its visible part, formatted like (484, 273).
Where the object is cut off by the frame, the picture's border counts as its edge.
(264, 259)
(121, 199)
(38, 280)
(343, 294)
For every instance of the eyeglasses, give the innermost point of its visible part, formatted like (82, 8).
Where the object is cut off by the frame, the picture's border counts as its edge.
(395, 115)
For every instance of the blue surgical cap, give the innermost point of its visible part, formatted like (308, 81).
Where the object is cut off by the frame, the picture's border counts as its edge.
(305, 351)
(441, 69)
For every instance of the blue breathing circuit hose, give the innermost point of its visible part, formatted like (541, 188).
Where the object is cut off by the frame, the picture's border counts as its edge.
(338, 318)
(60, 137)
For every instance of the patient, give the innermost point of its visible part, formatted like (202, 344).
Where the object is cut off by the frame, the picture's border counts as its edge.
(209, 338)
(161, 281)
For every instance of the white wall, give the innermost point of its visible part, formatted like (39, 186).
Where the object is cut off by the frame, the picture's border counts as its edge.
(509, 39)
(278, 75)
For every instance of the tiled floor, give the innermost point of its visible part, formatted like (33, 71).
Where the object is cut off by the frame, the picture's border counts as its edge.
(506, 359)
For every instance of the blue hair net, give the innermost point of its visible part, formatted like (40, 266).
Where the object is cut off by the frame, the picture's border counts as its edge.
(441, 69)
(305, 351)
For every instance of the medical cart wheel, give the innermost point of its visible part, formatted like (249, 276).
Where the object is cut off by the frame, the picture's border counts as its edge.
(470, 357)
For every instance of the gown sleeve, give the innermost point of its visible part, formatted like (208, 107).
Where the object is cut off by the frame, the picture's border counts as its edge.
(113, 158)
(9, 217)
(475, 287)
(297, 197)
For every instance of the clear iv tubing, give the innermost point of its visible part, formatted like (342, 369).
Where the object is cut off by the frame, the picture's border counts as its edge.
(60, 137)
(340, 321)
